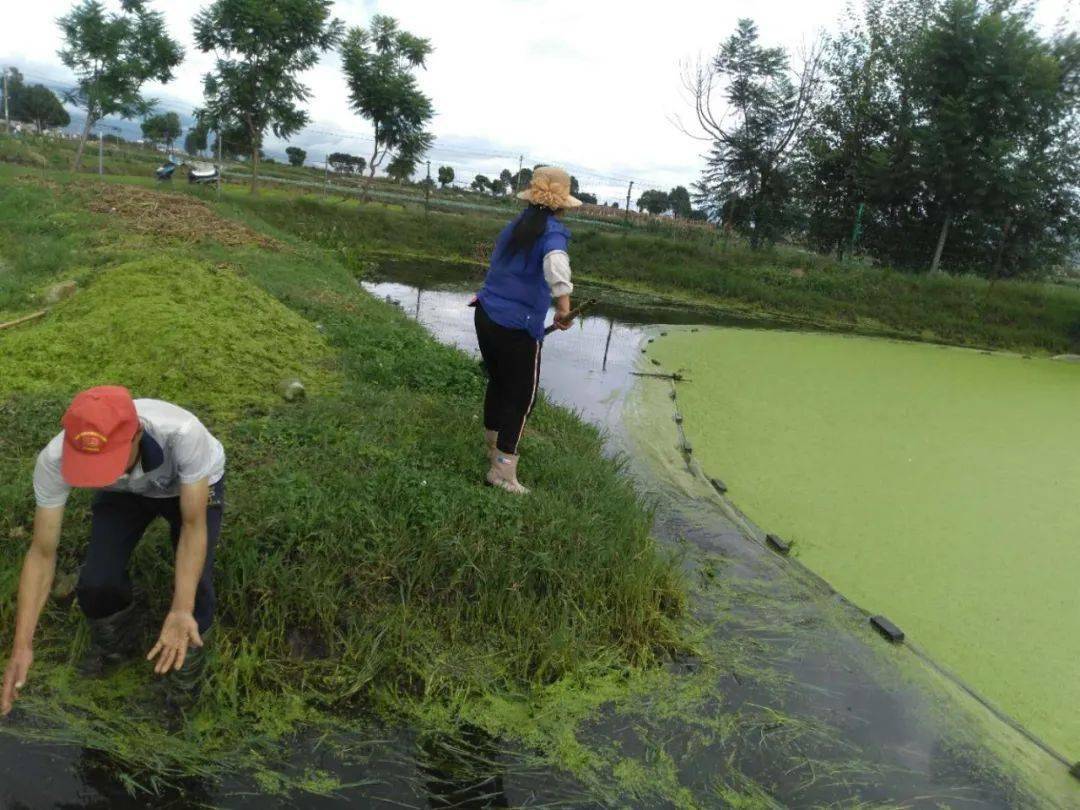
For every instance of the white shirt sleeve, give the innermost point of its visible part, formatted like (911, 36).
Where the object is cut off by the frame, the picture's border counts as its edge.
(557, 273)
(194, 450)
(50, 488)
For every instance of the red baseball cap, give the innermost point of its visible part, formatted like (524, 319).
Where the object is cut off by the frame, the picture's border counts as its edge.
(98, 429)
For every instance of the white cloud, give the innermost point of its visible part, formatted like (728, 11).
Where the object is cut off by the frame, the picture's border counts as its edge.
(588, 83)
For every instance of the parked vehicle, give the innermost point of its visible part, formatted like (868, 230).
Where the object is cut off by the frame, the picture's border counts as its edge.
(203, 173)
(166, 169)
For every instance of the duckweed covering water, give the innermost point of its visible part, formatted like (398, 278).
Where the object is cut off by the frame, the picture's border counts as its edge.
(934, 485)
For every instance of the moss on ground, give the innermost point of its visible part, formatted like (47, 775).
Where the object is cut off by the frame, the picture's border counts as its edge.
(169, 327)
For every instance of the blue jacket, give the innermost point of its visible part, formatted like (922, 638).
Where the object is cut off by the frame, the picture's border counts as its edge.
(515, 293)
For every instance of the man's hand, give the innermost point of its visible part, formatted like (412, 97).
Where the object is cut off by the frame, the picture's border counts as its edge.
(179, 630)
(15, 677)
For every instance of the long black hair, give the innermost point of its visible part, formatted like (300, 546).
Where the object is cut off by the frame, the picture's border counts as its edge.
(530, 226)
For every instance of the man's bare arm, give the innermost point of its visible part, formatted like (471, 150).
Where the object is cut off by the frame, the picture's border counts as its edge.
(180, 629)
(35, 582)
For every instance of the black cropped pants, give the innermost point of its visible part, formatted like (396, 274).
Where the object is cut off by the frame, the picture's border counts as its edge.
(512, 359)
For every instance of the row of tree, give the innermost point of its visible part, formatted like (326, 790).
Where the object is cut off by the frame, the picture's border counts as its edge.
(677, 201)
(925, 133)
(261, 49)
(33, 104)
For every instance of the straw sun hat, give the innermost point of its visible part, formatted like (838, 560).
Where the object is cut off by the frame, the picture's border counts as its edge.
(550, 187)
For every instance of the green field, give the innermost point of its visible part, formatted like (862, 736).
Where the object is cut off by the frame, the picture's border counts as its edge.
(934, 485)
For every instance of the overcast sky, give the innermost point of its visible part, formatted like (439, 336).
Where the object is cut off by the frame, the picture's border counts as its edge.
(590, 84)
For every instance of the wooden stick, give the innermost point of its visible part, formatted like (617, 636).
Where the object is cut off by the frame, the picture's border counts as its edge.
(574, 313)
(23, 319)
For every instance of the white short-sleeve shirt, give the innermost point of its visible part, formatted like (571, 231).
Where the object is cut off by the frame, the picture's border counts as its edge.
(176, 449)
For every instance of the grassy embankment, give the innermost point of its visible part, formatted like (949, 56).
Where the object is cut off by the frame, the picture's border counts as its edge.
(803, 287)
(362, 566)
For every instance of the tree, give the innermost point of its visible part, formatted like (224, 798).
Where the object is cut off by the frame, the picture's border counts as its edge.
(654, 201)
(261, 48)
(195, 141)
(574, 186)
(344, 163)
(235, 142)
(768, 107)
(506, 177)
(296, 155)
(39, 104)
(985, 82)
(679, 201)
(480, 183)
(163, 128)
(446, 176)
(886, 164)
(112, 55)
(401, 167)
(378, 63)
(587, 198)
(497, 186)
(522, 179)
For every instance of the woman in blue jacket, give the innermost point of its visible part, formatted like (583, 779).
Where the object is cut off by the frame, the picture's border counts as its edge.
(529, 267)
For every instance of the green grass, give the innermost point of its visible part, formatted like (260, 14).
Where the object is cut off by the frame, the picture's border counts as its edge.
(362, 566)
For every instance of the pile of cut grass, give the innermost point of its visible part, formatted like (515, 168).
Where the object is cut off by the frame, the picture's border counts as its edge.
(362, 568)
(169, 327)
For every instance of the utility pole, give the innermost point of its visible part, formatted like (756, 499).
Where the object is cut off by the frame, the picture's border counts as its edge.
(427, 197)
(628, 191)
(100, 151)
(517, 180)
(7, 115)
(220, 168)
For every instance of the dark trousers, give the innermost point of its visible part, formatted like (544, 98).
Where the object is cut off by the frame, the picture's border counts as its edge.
(118, 523)
(512, 359)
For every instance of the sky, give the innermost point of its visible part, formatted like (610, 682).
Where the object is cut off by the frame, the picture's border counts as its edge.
(592, 85)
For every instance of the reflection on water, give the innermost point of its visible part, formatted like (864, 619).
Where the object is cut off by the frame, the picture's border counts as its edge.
(584, 368)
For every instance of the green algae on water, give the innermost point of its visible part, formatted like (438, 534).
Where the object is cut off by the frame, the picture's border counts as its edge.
(933, 485)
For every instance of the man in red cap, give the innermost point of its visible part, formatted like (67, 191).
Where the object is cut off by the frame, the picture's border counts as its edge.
(149, 459)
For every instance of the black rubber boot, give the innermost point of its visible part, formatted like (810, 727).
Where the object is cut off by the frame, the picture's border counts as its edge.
(113, 640)
(181, 687)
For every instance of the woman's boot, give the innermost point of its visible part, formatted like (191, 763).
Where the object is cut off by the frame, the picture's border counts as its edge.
(503, 473)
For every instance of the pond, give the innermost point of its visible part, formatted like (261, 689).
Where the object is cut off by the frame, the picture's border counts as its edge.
(934, 485)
